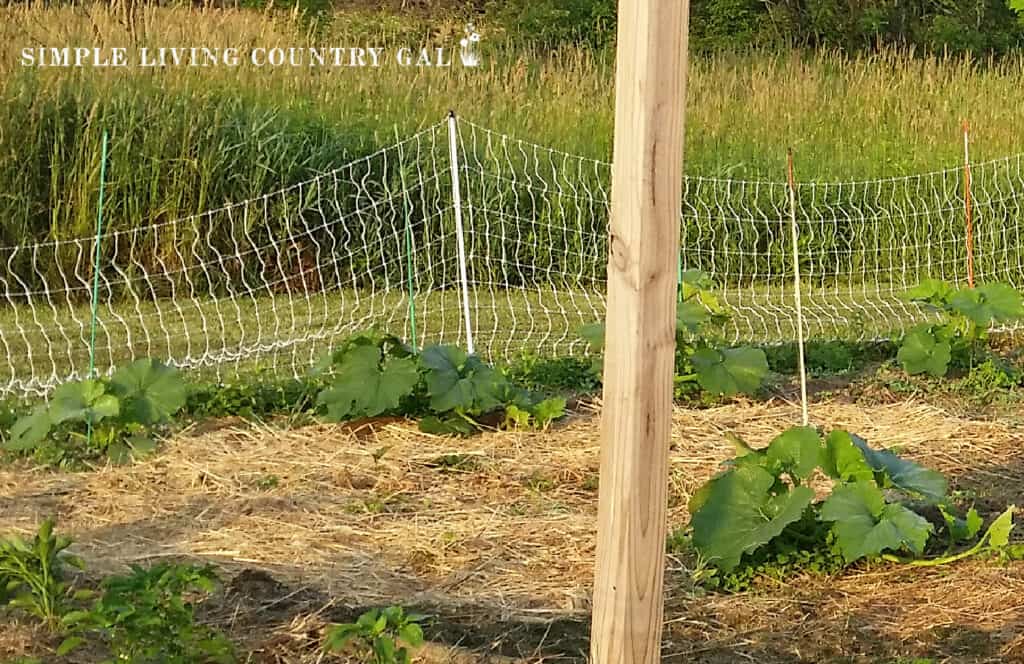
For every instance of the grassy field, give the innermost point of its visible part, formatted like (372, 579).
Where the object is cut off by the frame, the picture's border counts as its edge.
(281, 335)
(186, 139)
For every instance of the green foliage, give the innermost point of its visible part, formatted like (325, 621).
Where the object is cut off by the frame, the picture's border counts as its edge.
(828, 358)
(760, 504)
(147, 617)
(559, 375)
(115, 418)
(372, 374)
(379, 636)
(961, 339)
(806, 546)
(33, 574)
(258, 398)
(865, 524)
(700, 360)
(460, 382)
(742, 513)
(992, 375)
(716, 25)
(933, 25)
(554, 22)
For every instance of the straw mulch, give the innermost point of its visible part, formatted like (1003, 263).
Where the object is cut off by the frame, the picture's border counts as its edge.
(495, 535)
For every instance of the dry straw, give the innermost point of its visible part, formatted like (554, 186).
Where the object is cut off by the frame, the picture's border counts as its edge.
(502, 525)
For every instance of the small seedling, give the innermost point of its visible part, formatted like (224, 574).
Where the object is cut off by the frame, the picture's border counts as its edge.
(380, 636)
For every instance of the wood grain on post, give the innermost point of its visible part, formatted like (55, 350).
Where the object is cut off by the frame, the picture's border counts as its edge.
(640, 331)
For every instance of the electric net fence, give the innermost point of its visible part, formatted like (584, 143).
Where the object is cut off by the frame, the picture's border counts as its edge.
(460, 234)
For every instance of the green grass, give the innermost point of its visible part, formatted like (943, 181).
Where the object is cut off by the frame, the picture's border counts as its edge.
(184, 140)
(221, 338)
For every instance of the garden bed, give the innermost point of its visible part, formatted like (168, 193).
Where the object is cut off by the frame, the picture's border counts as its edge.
(494, 536)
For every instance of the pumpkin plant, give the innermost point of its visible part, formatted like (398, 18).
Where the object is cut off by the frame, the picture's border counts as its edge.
(116, 418)
(967, 317)
(702, 361)
(878, 506)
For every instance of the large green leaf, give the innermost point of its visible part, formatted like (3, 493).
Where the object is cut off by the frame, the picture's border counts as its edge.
(904, 474)
(865, 525)
(150, 391)
(740, 514)
(368, 385)
(730, 371)
(389, 345)
(29, 431)
(457, 381)
(842, 459)
(691, 315)
(932, 291)
(998, 533)
(923, 352)
(85, 400)
(796, 451)
(593, 334)
(989, 303)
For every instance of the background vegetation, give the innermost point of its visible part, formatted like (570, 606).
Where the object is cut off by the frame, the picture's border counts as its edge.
(851, 101)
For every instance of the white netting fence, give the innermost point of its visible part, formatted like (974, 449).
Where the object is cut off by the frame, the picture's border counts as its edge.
(270, 284)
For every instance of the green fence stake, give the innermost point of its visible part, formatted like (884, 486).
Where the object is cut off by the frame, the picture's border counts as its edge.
(96, 271)
(96, 260)
(679, 275)
(410, 282)
(412, 287)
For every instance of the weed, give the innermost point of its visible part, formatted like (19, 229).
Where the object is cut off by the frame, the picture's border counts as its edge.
(257, 398)
(33, 574)
(559, 375)
(267, 482)
(539, 483)
(148, 617)
(455, 462)
(380, 636)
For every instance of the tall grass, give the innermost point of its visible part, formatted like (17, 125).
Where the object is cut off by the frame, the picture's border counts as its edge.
(187, 139)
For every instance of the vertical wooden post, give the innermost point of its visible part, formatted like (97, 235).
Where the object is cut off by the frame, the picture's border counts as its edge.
(968, 211)
(646, 201)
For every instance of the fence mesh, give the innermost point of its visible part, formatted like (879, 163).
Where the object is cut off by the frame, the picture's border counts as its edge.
(271, 283)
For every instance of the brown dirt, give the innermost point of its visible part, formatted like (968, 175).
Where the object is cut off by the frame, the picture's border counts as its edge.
(494, 535)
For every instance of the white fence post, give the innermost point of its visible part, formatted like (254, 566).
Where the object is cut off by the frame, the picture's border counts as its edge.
(796, 292)
(453, 145)
(968, 216)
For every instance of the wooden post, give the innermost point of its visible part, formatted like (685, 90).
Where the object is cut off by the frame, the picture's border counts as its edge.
(640, 331)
